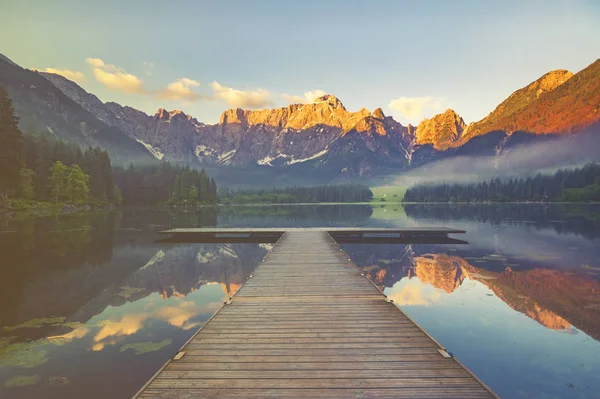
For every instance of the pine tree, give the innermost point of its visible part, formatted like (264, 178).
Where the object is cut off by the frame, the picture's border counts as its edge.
(193, 193)
(117, 197)
(77, 184)
(57, 180)
(11, 146)
(26, 184)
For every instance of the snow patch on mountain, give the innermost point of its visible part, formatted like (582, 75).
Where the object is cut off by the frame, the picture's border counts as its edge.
(314, 156)
(225, 159)
(157, 258)
(203, 152)
(156, 153)
(227, 250)
(266, 161)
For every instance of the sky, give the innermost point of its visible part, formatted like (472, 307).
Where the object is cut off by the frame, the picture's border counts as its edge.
(413, 59)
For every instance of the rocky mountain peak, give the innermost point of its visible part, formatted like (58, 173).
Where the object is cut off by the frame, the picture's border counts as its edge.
(504, 116)
(162, 114)
(441, 131)
(331, 100)
(550, 81)
(168, 115)
(325, 111)
(378, 113)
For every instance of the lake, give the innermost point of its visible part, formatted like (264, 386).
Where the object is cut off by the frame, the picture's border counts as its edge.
(91, 305)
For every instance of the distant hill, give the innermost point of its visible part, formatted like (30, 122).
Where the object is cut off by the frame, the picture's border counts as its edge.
(42, 107)
(558, 102)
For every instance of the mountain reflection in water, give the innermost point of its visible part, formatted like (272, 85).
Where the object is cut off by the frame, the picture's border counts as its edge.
(91, 305)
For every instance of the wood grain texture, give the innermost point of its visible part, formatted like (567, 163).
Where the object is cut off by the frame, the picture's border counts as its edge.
(289, 332)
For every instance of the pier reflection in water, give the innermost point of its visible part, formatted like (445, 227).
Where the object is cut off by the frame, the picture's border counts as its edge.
(92, 305)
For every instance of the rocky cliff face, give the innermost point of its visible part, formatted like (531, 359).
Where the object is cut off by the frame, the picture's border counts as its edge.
(322, 134)
(558, 102)
(304, 138)
(503, 117)
(442, 131)
(299, 133)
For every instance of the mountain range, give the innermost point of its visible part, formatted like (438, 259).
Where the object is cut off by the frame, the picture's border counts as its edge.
(321, 139)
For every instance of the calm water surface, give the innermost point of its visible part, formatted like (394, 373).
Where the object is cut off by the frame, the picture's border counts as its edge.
(91, 306)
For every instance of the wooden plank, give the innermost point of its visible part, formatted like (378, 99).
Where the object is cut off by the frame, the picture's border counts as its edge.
(304, 346)
(311, 358)
(316, 374)
(288, 332)
(191, 351)
(396, 366)
(312, 383)
(303, 325)
(406, 393)
(366, 342)
(296, 331)
(406, 334)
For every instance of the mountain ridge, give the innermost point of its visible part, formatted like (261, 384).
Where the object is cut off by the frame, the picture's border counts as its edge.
(324, 136)
(43, 107)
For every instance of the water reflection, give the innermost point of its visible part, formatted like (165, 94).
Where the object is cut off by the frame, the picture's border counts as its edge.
(503, 322)
(85, 297)
(91, 305)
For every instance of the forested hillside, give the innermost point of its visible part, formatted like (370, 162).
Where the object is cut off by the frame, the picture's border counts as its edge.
(43, 169)
(330, 193)
(164, 183)
(570, 185)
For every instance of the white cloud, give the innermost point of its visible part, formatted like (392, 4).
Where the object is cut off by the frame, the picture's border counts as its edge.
(148, 67)
(415, 109)
(115, 78)
(309, 97)
(189, 82)
(180, 90)
(75, 76)
(242, 99)
(95, 62)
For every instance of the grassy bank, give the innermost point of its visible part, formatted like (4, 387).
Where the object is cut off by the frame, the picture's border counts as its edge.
(21, 207)
(388, 194)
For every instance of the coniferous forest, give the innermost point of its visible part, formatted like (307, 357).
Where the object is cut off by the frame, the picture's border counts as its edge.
(329, 193)
(568, 185)
(164, 183)
(35, 167)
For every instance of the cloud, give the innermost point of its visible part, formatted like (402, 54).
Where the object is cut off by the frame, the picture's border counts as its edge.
(95, 62)
(178, 314)
(127, 325)
(415, 109)
(115, 78)
(181, 314)
(242, 99)
(180, 90)
(75, 76)
(148, 67)
(413, 292)
(309, 97)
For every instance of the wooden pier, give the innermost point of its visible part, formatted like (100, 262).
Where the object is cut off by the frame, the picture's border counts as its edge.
(308, 324)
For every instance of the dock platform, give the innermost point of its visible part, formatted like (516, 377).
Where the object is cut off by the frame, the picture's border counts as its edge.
(308, 324)
(342, 235)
